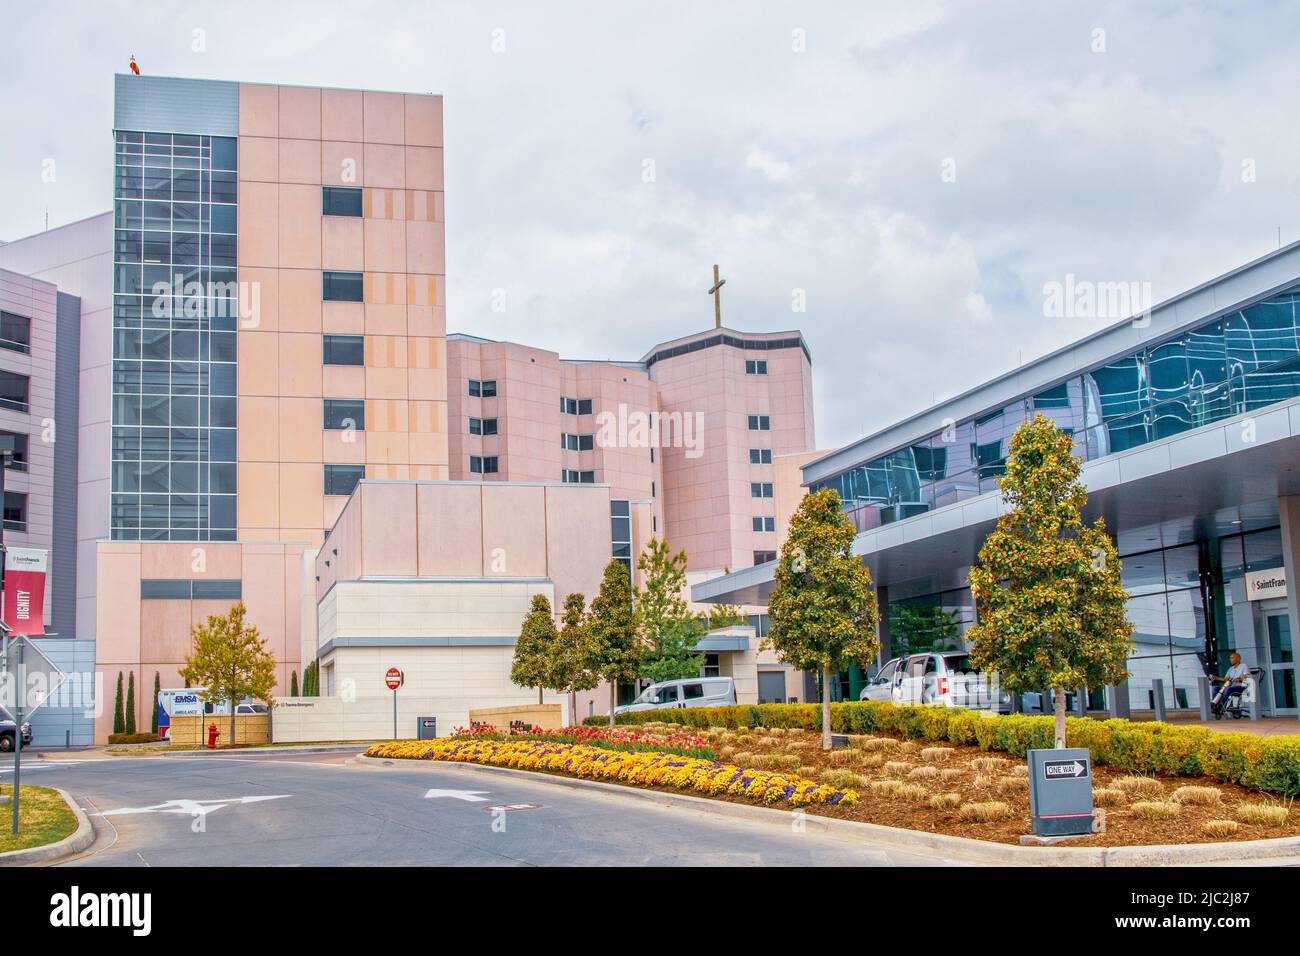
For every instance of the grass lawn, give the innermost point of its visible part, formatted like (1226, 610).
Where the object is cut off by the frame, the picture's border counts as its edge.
(43, 818)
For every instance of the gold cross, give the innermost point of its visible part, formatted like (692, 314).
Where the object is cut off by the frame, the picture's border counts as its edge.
(716, 292)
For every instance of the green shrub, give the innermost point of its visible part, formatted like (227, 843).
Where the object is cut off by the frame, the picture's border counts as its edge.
(1268, 764)
(141, 738)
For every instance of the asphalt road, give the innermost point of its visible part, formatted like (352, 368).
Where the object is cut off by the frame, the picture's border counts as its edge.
(320, 809)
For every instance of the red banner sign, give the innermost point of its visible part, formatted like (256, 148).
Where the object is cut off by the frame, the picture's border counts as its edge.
(24, 590)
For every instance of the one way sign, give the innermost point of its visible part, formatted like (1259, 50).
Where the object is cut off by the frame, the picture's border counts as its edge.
(1059, 769)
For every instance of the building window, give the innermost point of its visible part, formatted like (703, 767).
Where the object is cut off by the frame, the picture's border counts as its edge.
(763, 557)
(755, 366)
(711, 667)
(13, 391)
(575, 406)
(482, 426)
(483, 465)
(340, 201)
(15, 332)
(760, 423)
(760, 456)
(620, 532)
(342, 287)
(760, 489)
(347, 414)
(181, 589)
(764, 523)
(484, 388)
(15, 511)
(18, 460)
(571, 442)
(572, 476)
(341, 479)
(345, 350)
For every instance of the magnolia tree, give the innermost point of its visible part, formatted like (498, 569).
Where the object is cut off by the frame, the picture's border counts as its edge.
(669, 631)
(229, 661)
(615, 652)
(531, 666)
(574, 662)
(823, 607)
(1047, 586)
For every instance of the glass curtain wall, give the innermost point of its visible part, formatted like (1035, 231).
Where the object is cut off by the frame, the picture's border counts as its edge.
(175, 309)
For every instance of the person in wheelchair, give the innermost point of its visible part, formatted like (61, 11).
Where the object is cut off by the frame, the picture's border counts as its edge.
(1233, 684)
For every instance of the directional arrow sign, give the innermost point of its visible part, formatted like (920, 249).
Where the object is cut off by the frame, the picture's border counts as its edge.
(469, 796)
(1059, 769)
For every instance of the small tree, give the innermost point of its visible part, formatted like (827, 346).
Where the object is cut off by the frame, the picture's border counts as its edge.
(313, 672)
(293, 683)
(1047, 586)
(616, 649)
(230, 661)
(823, 607)
(572, 663)
(119, 720)
(537, 639)
(157, 689)
(130, 702)
(669, 630)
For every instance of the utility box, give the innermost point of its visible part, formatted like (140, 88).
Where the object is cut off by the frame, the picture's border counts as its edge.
(426, 728)
(1060, 791)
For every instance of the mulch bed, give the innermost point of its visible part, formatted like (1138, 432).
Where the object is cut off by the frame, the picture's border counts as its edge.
(974, 781)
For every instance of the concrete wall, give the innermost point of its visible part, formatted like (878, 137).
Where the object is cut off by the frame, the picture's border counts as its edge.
(292, 141)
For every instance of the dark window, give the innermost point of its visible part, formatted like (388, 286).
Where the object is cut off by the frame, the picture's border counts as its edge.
(342, 287)
(15, 332)
(173, 589)
(760, 423)
(574, 477)
(341, 479)
(767, 523)
(163, 589)
(763, 557)
(482, 426)
(571, 442)
(760, 489)
(575, 406)
(482, 389)
(217, 590)
(224, 153)
(15, 511)
(17, 461)
(340, 201)
(479, 465)
(345, 350)
(755, 366)
(13, 391)
(760, 456)
(345, 413)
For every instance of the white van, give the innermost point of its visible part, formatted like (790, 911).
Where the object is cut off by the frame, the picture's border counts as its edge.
(691, 692)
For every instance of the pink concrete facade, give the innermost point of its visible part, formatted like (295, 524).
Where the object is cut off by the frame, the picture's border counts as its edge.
(146, 636)
(292, 142)
(696, 470)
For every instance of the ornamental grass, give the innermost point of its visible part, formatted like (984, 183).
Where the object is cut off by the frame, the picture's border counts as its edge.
(644, 768)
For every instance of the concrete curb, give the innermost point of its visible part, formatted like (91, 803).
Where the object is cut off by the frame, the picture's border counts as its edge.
(80, 838)
(1261, 852)
(259, 751)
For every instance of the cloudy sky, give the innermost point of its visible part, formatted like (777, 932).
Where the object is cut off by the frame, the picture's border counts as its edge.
(915, 172)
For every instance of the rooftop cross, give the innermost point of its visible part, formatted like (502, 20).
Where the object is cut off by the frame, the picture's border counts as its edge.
(716, 292)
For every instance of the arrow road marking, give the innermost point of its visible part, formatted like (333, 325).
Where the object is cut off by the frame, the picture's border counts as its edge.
(195, 808)
(469, 796)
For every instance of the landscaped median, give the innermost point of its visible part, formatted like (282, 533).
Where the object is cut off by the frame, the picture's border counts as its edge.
(647, 768)
(1266, 764)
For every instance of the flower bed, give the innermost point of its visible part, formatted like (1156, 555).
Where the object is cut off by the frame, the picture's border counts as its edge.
(1268, 764)
(643, 768)
(675, 741)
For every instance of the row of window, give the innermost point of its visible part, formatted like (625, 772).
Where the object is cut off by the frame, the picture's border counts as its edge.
(572, 442)
(14, 390)
(482, 388)
(575, 406)
(15, 332)
(760, 423)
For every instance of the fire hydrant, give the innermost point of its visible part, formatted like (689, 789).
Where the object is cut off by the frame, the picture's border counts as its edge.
(213, 734)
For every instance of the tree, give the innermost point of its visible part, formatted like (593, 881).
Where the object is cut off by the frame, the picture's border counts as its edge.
(537, 639)
(822, 607)
(726, 615)
(1047, 585)
(668, 629)
(616, 648)
(230, 661)
(130, 702)
(293, 683)
(157, 689)
(311, 680)
(119, 721)
(572, 663)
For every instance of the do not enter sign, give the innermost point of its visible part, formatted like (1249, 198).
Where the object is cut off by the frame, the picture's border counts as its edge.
(393, 678)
